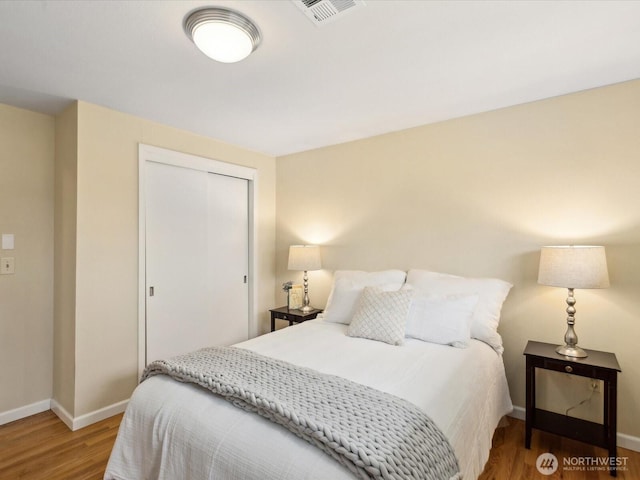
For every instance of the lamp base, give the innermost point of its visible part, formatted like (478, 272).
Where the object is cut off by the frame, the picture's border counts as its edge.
(306, 309)
(571, 351)
(570, 347)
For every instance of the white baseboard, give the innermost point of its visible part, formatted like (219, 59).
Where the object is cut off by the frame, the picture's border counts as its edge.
(62, 414)
(518, 412)
(88, 418)
(26, 411)
(97, 415)
(629, 442)
(623, 440)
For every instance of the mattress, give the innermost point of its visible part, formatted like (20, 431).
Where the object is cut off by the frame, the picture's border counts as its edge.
(173, 430)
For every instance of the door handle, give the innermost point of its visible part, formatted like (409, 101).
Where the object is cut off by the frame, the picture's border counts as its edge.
(151, 291)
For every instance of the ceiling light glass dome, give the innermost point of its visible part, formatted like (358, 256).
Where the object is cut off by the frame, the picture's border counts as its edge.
(222, 34)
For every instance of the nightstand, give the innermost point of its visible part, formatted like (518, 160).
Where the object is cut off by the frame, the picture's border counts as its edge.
(599, 365)
(291, 315)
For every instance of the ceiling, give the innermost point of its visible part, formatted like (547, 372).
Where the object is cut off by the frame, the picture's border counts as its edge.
(388, 66)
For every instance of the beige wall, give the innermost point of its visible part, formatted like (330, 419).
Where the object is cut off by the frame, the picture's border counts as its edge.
(26, 298)
(478, 196)
(106, 352)
(64, 287)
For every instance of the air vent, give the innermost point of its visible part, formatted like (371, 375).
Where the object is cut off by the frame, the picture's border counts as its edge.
(322, 12)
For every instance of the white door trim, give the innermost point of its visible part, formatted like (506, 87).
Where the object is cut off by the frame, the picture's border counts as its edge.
(149, 153)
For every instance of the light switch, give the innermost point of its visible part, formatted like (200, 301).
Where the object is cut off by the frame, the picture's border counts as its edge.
(7, 265)
(8, 241)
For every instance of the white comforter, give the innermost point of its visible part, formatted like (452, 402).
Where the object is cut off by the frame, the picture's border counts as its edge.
(175, 431)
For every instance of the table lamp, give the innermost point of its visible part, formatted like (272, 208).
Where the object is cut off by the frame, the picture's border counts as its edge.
(573, 267)
(305, 258)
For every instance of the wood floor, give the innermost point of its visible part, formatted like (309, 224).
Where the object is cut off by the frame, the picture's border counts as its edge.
(510, 460)
(42, 448)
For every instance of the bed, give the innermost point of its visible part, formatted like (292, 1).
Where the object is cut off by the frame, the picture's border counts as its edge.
(173, 430)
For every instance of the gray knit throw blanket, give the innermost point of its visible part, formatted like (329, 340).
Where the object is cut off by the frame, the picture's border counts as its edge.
(374, 434)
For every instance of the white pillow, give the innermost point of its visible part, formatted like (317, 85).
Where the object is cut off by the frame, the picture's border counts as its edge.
(443, 319)
(348, 286)
(491, 292)
(381, 315)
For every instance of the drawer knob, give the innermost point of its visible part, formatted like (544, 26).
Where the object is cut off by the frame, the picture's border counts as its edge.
(568, 369)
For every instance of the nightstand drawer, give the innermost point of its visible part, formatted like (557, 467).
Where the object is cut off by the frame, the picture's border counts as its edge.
(570, 367)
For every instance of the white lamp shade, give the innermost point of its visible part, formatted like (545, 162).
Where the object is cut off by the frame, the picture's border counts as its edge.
(573, 267)
(304, 257)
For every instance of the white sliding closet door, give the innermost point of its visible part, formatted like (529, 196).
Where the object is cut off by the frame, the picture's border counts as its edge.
(228, 263)
(196, 239)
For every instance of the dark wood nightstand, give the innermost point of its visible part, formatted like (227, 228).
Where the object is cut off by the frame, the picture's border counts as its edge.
(599, 365)
(291, 315)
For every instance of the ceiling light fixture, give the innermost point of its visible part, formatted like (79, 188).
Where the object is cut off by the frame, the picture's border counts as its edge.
(222, 34)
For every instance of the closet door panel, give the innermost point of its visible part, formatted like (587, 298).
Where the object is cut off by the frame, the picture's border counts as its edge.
(176, 273)
(228, 240)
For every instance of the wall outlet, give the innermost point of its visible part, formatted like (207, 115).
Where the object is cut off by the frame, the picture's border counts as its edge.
(595, 385)
(7, 265)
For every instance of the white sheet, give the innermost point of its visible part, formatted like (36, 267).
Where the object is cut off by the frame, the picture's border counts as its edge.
(179, 431)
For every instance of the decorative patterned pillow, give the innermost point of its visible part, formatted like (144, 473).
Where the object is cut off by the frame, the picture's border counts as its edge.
(381, 315)
(347, 289)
